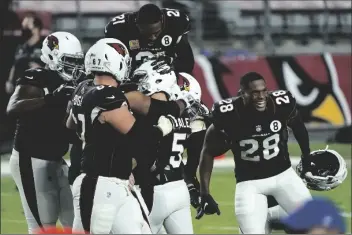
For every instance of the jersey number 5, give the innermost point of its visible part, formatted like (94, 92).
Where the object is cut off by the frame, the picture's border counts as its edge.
(270, 148)
(177, 149)
(281, 97)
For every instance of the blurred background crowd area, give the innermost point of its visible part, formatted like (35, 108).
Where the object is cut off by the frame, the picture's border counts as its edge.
(279, 32)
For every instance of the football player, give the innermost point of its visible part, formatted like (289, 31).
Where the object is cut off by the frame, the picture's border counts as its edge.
(171, 206)
(41, 140)
(101, 115)
(255, 127)
(151, 32)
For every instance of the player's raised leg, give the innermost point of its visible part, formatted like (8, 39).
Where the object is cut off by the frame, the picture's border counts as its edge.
(290, 192)
(251, 208)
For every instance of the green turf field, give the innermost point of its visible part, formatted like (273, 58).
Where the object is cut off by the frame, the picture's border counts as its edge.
(222, 188)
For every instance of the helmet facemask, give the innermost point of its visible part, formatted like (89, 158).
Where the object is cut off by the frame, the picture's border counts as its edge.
(70, 67)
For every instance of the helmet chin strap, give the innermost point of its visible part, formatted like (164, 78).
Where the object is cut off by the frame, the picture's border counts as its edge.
(326, 148)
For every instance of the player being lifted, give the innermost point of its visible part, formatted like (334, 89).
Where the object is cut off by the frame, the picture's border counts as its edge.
(39, 103)
(171, 204)
(109, 130)
(255, 127)
(139, 103)
(151, 32)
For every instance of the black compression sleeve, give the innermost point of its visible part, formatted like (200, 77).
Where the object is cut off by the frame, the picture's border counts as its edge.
(143, 138)
(195, 144)
(140, 130)
(301, 134)
(158, 108)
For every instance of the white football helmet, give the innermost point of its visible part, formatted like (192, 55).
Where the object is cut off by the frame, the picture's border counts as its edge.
(192, 92)
(153, 77)
(126, 53)
(328, 170)
(110, 56)
(62, 52)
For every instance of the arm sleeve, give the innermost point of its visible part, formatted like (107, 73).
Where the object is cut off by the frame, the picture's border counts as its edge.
(184, 62)
(195, 145)
(300, 132)
(108, 98)
(30, 77)
(158, 108)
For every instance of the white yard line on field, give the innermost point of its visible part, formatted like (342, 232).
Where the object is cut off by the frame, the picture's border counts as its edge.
(13, 221)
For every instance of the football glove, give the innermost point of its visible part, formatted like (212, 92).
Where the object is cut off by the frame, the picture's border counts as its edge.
(167, 124)
(306, 164)
(161, 66)
(165, 59)
(61, 95)
(193, 189)
(208, 206)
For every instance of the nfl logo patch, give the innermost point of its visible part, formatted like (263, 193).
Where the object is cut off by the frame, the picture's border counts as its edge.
(258, 128)
(134, 44)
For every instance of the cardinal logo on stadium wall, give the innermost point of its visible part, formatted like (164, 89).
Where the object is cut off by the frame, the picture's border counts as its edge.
(320, 83)
(314, 83)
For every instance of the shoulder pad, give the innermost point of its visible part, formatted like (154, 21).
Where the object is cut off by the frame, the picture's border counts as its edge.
(34, 77)
(284, 101)
(119, 26)
(223, 110)
(105, 97)
(177, 20)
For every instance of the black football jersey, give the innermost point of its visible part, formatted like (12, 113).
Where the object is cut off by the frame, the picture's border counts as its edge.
(123, 27)
(258, 139)
(104, 148)
(42, 133)
(170, 151)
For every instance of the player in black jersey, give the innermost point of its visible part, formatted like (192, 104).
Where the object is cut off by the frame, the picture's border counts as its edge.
(41, 140)
(153, 32)
(102, 117)
(255, 127)
(171, 206)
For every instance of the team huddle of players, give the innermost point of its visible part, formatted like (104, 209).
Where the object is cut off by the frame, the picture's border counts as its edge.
(135, 107)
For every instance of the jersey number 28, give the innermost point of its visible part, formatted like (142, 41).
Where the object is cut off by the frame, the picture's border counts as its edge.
(270, 148)
(281, 97)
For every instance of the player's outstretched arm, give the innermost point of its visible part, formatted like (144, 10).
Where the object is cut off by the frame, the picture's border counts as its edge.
(215, 144)
(300, 132)
(25, 98)
(184, 62)
(154, 108)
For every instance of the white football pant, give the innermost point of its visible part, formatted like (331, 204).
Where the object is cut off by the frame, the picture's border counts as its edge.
(171, 208)
(146, 228)
(44, 190)
(105, 205)
(251, 206)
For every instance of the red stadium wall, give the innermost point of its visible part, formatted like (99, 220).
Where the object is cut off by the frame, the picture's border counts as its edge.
(321, 84)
